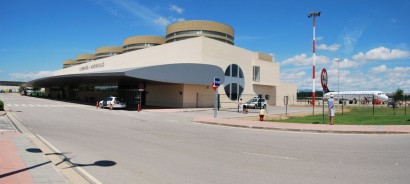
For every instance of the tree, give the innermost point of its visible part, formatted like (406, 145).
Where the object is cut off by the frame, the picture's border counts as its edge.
(398, 95)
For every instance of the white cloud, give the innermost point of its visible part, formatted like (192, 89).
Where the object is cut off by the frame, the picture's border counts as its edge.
(381, 53)
(175, 8)
(119, 8)
(379, 69)
(162, 21)
(351, 38)
(402, 70)
(355, 78)
(30, 76)
(345, 63)
(333, 47)
(319, 38)
(303, 60)
(292, 75)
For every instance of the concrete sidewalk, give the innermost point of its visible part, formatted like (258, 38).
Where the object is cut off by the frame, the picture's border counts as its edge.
(21, 161)
(323, 128)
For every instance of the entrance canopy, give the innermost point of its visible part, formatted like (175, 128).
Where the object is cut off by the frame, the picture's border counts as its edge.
(190, 73)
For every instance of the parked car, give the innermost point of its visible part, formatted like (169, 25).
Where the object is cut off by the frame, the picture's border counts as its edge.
(27, 92)
(255, 102)
(115, 101)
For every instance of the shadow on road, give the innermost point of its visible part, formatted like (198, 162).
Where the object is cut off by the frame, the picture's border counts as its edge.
(100, 163)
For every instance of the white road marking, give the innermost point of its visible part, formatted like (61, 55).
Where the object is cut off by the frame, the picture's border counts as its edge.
(270, 156)
(42, 105)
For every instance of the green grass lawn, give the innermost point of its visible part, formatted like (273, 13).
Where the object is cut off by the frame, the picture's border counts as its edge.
(359, 116)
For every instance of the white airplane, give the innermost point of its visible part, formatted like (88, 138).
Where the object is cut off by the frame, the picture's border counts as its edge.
(358, 95)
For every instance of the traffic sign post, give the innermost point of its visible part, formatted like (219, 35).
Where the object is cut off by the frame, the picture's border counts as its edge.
(215, 85)
(217, 81)
(140, 90)
(323, 81)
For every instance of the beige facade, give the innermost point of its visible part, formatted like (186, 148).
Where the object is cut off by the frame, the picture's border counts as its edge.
(196, 51)
(176, 71)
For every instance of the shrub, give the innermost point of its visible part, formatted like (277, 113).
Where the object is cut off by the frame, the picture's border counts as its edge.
(1, 106)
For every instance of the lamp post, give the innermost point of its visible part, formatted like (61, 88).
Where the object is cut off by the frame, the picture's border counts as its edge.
(314, 15)
(338, 90)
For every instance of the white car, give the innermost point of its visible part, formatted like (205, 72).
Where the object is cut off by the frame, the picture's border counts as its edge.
(115, 101)
(255, 102)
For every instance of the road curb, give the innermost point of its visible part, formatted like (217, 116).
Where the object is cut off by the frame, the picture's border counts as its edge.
(219, 122)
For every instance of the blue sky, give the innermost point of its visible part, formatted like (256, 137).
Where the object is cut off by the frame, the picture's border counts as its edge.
(371, 38)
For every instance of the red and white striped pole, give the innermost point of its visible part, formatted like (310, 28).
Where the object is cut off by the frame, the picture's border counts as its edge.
(314, 15)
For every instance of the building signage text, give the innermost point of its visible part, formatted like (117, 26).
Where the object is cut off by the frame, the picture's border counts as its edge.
(91, 67)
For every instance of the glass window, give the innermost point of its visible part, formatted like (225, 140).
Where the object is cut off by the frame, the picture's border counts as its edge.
(256, 73)
(233, 91)
(234, 70)
(228, 71)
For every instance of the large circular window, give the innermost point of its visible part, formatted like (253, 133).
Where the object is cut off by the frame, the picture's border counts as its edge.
(234, 82)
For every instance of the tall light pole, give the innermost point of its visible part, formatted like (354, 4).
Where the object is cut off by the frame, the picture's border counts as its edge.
(338, 90)
(314, 15)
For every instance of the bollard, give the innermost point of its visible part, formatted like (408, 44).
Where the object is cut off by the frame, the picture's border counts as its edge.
(96, 104)
(139, 107)
(110, 106)
(261, 114)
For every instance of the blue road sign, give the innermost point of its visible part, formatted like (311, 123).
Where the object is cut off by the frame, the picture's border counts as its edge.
(217, 81)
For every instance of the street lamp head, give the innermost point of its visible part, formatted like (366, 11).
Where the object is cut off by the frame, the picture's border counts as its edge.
(313, 14)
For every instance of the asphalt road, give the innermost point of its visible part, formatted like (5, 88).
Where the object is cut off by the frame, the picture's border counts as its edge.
(166, 147)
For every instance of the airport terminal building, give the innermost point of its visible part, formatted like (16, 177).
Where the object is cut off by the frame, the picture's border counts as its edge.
(175, 71)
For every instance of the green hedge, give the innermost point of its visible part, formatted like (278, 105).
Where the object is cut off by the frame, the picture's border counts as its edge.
(1, 106)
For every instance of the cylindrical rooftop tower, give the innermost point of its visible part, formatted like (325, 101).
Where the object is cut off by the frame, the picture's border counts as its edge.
(83, 58)
(194, 28)
(69, 62)
(141, 42)
(103, 52)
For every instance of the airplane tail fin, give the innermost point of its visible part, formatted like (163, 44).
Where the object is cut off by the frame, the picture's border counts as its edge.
(326, 90)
